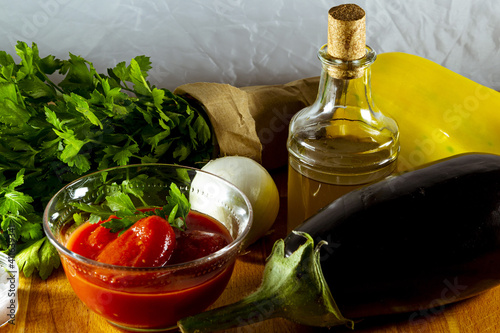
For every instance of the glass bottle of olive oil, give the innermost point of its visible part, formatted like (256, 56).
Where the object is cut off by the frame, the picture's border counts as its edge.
(342, 141)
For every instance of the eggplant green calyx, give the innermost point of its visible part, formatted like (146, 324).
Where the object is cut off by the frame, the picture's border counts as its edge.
(292, 287)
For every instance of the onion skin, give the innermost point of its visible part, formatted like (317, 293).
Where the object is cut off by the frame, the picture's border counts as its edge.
(257, 184)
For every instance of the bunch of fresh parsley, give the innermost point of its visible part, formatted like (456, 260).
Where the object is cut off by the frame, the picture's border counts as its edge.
(52, 133)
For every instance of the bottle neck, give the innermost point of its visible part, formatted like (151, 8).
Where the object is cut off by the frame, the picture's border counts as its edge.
(345, 83)
(343, 93)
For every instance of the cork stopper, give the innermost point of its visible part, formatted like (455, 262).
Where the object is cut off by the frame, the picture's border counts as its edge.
(347, 32)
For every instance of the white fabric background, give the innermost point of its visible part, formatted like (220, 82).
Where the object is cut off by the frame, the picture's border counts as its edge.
(250, 42)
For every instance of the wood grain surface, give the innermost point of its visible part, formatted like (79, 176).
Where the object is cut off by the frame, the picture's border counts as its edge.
(51, 305)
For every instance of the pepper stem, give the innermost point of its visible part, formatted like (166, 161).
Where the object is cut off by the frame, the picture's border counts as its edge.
(292, 287)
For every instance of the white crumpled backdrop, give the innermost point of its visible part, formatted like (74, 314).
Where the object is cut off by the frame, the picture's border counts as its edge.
(242, 42)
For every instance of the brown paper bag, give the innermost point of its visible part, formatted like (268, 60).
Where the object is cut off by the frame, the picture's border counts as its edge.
(253, 121)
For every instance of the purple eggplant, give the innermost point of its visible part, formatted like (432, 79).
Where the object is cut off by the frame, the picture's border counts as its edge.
(421, 239)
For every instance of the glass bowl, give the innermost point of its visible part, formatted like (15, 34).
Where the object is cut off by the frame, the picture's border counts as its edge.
(149, 299)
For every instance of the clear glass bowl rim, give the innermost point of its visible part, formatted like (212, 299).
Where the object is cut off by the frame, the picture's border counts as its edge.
(174, 267)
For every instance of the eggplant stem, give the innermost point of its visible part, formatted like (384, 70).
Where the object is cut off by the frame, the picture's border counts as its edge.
(252, 309)
(292, 287)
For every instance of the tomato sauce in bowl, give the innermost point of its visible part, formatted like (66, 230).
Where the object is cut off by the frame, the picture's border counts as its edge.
(151, 275)
(152, 298)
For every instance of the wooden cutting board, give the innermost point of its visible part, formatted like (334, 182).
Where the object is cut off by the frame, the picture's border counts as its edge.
(51, 306)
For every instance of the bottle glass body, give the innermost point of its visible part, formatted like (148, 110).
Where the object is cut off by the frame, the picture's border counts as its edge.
(340, 142)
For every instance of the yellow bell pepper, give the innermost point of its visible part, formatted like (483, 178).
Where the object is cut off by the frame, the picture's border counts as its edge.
(439, 112)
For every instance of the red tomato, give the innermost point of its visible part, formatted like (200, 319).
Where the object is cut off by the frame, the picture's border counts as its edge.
(101, 236)
(148, 243)
(93, 239)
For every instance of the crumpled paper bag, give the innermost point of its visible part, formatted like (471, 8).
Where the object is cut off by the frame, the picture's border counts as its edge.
(252, 121)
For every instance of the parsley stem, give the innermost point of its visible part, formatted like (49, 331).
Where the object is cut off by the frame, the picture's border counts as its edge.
(48, 81)
(21, 98)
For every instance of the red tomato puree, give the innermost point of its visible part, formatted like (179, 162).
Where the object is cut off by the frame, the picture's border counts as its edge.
(151, 299)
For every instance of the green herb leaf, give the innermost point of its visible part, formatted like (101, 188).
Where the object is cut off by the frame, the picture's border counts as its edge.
(79, 78)
(15, 202)
(136, 75)
(176, 198)
(178, 205)
(12, 113)
(121, 204)
(81, 105)
(39, 255)
(121, 224)
(102, 211)
(31, 230)
(49, 259)
(28, 259)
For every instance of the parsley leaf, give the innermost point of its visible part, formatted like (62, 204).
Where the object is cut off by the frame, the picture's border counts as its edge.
(178, 206)
(28, 259)
(48, 259)
(41, 256)
(121, 204)
(31, 230)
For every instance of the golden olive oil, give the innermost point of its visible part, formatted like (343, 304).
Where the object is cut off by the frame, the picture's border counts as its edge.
(310, 188)
(307, 196)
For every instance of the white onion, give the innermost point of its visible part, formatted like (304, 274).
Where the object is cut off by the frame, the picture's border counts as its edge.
(256, 183)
